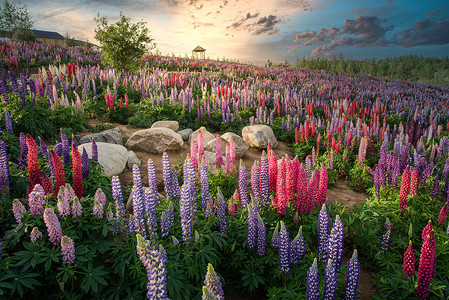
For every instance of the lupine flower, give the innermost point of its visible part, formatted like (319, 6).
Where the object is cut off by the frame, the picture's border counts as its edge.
(218, 153)
(301, 188)
(65, 148)
(443, 214)
(204, 180)
(221, 212)
(409, 260)
(352, 277)
(243, 188)
(275, 237)
(261, 236)
(170, 188)
(118, 197)
(251, 240)
(164, 224)
(207, 294)
(426, 268)
(53, 226)
(322, 187)
(227, 166)
(311, 193)
(323, 233)
(414, 183)
(67, 249)
(23, 151)
(8, 123)
(231, 207)
(284, 249)
(255, 180)
(77, 173)
(232, 153)
(175, 240)
(109, 213)
(386, 238)
(35, 234)
(77, 209)
(281, 196)
(296, 218)
(63, 203)
(290, 179)
(185, 211)
(85, 164)
(330, 284)
(200, 146)
(36, 200)
(405, 186)
(152, 181)
(170, 214)
(47, 184)
(272, 169)
(33, 164)
(429, 232)
(264, 180)
(362, 150)
(213, 283)
(94, 150)
(335, 246)
(313, 282)
(18, 210)
(59, 171)
(194, 153)
(298, 247)
(99, 202)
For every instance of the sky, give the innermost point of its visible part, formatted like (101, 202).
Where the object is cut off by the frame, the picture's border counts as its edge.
(258, 31)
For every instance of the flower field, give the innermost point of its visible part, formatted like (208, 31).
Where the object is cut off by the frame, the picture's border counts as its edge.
(220, 229)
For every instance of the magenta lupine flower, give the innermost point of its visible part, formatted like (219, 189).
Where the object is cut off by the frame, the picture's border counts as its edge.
(272, 170)
(99, 202)
(330, 277)
(301, 188)
(227, 160)
(243, 188)
(311, 193)
(428, 231)
(275, 236)
(94, 150)
(67, 249)
(261, 236)
(35, 234)
(323, 233)
(284, 249)
(352, 277)
(18, 210)
(414, 182)
(331, 160)
(204, 180)
(36, 200)
(264, 180)
(252, 228)
(313, 282)
(362, 150)
(386, 238)
(221, 212)
(185, 212)
(213, 283)
(231, 207)
(335, 246)
(298, 247)
(426, 268)
(409, 260)
(53, 226)
(200, 146)
(218, 153)
(63, 202)
(255, 180)
(405, 186)
(322, 187)
(77, 209)
(443, 214)
(194, 153)
(232, 153)
(290, 179)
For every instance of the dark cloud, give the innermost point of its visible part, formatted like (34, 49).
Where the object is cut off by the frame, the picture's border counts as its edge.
(424, 33)
(264, 25)
(240, 22)
(312, 37)
(437, 11)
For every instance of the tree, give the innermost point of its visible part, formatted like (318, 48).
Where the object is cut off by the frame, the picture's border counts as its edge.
(123, 42)
(16, 22)
(69, 41)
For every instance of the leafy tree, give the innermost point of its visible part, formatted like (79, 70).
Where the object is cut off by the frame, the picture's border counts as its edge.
(123, 42)
(16, 22)
(7, 18)
(69, 41)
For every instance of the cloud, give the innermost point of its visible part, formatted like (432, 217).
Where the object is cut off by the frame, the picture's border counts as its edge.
(240, 22)
(290, 50)
(424, 33)
(264, 25)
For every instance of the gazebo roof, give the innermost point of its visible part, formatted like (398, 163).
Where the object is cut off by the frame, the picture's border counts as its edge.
(199, 49)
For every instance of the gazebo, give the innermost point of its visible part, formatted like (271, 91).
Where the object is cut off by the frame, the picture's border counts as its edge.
(199, 53)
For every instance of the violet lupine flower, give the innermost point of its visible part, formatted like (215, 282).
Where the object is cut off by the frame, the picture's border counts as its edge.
(4, 174)
(36, 200)
(152, 181)
(150, 212)
(154, 262)
(77, 209)
(170, 214)
(65, 148)
(85, 164)
(185, 211)
(175, 182)
(94, 150)
(261, 236)
(99, 202)
(436, 187)
(298, 247)
(168, 177)
(218, 153)
(275, 237)
(335, 246)
(426, 268)
(243, 188)
(409, 260)
(18, 210)
(63, 203)
(138, 211)
(35, 234)
(204, 180)
(164, 224)
(330, 277)
(386, 238)
(352, 277)
(67, 249)
(53, 226)
(8, 123)
(313, 282)
(44, 149)
(323, 233)
(264, 189)
(221, 212)
(284, 249)
(213, 283)
(255, 181)
(23, 151)
(252, 228)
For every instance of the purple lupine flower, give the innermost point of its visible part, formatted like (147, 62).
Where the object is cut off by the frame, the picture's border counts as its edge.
(150, 211)
(58, 149)
(99, 202)
(53, 226)
(67, 249)
(152, 181)
(36, 200)
(118, 198)
(313, 282)
(275, 237)
(376, 181)
(331, 160)
(298, 247)
(44, 149)
(243, 188)
(175, 182)
(323, 233)
(436, 187)
(264, 180)
(74, 142)
(4, 173)
(185, 212)
(77, 209)
(168, 177)
(18, 210)
(252, 228)
(204, 179)
(85, 163)
(352, 277)
(335, 246)
(261, 236)
(213, 283)
(330, 284)
(35, 234)
(220, 204)
(154, 262)
(255, 181)
(63, 202)
(164, 224)
(8, 123)
(138, 211)
(23, 151)
(284, 249)
(65, 148)
(386, 238)
(94, 150)
(191, 179)
(50, 165)
(170, 215)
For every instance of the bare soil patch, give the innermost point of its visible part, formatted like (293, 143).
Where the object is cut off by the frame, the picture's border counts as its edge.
(342, 193)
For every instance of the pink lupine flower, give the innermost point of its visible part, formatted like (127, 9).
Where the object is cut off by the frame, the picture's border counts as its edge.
(18, 210)
(200, 145)
(232, 153)
(405, 186)
(414, 183)
(426, 268)
(231, 207)
(301, 188)
(36, 200)
(218, 153)
(53, 226)
(67, 249)
(322, 187)
(443, 214)
(194, 153)
(272, 169)
(228, 160)
(409, 260)
(77, 209)
(35, 234)
(63, 202)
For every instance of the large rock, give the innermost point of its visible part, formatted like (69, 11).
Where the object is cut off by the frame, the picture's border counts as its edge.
(211, 161)
(185, 133)
(112, 157)
(207, 136)
(257, 136)
(133, 160)
(155, 140)
(240, 144)
(173, 125)
(111, 136)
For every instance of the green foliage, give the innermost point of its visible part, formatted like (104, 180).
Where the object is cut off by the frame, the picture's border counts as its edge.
(16, 22)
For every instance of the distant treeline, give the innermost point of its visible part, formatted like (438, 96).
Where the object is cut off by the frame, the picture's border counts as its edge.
(409, 67)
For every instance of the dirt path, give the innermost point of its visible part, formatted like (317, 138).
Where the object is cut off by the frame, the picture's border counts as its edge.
(342, 193)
